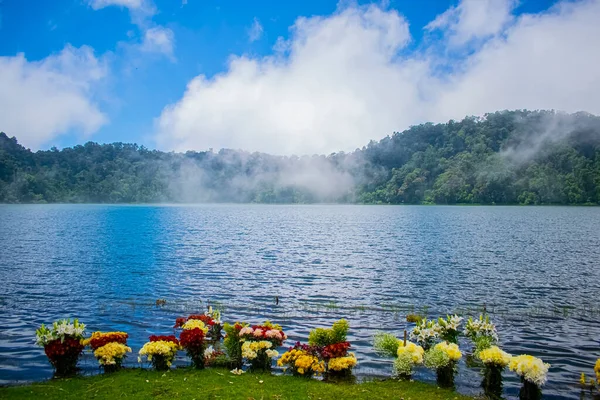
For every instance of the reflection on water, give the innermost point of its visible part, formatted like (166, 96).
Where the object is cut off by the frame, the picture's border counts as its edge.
(535, 270)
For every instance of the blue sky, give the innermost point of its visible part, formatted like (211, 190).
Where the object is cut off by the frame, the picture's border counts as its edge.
(117, 70)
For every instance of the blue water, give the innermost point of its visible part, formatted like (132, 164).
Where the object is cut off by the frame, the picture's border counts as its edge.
(536, 269)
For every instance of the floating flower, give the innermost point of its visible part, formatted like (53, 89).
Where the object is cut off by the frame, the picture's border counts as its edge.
(530, 368)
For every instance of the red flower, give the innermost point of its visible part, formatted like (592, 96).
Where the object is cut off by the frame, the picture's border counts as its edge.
(335, 350)
(170, 338)
(56, 349)
(202, 317)
(192, 338)
(120, 337)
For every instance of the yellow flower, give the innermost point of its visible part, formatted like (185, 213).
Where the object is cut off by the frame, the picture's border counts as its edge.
(597, 370)
(582, 379)
(451, 349)
(342, 363)
(160, 348)
(494, 356)
(415, 352)
(195, 323)
(530, 368)
(111, 353)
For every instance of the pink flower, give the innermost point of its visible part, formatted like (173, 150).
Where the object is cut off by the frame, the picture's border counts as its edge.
(273, 333)
(245, 331)
(258, 333)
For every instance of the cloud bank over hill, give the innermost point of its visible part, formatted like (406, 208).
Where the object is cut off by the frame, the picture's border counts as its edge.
(340, 80)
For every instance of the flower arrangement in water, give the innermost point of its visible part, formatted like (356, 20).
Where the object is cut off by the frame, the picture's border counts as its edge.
(495, 360)
(481, 332)
(62, 344)
(110, 349)
(259, 343)
(443, 358)
(407, 356)
(333, 348)
(533, 372)
(160, 351)
(303, 360)
(448, 328)
(425, 333)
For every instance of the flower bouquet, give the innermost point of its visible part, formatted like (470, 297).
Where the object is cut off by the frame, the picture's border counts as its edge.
(406, 356)
(533, 372)
(233, 344)
(192, 339)
(495, 360)
(62, 344)
(212, 320)
(425, 333)
(481, 332)
(333, 348)
(259, 343)
(110, 349)
(160, 351)
(303, 360)
(448, 328)
(443, 358)
(216, 358)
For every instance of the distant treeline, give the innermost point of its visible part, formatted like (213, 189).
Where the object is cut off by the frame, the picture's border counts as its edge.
(508, 157)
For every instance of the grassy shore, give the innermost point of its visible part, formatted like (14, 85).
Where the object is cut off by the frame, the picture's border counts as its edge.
(220, 384)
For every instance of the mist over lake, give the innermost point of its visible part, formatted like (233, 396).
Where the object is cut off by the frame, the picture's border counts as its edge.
(534, 269)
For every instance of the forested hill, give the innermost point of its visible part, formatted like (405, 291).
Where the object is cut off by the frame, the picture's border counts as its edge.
(509, 157)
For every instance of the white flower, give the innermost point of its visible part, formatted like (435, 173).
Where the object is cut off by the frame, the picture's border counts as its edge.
(237, 371)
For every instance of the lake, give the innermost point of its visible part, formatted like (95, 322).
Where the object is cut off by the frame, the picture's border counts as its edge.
(535, 269)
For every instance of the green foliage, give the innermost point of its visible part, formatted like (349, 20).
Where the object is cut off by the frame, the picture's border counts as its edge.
(326, 336)
(232, 343)
(508, 157)
(414, 318)
(212, 383)
(386, 344)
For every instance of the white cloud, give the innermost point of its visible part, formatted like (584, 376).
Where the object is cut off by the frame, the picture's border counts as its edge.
(158, 40)
(255, 32)
(40, 100)
(341, 80)
(474, 19)
(131, 4)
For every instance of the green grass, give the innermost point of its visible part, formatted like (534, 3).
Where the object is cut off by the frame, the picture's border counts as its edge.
(220, 384)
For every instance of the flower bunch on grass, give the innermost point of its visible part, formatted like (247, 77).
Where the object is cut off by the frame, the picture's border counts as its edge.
(533, 372)
(233, 344)
(443, 358)
(333, 348)
(215, 358)
(481, 332)
(62, 344)
(448, 328)
(259, 343)
(192, 339)
(160, 351)
(303, 360)
(425, 333)
(494, 360)
(407, 356)
(110, 349)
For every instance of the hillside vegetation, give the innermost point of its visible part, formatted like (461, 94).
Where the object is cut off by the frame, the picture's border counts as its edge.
(509, 157)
